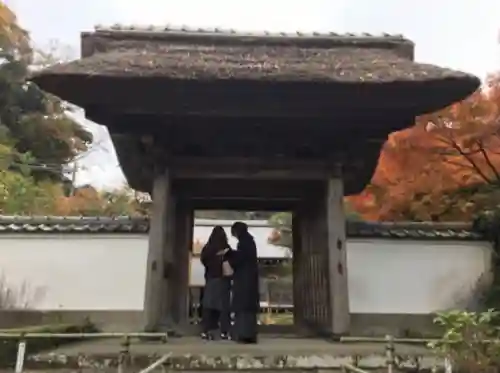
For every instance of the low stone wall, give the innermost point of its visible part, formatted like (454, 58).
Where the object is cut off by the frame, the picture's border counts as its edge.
(399, 325)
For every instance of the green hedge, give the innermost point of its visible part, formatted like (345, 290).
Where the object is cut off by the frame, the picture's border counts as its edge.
(8, 346)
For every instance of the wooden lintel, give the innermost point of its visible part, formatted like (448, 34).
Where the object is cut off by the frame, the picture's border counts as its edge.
(243, 189)
(243, 204)
(248, 168)
(195, 173)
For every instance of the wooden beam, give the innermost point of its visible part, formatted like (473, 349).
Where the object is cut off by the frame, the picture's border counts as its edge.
(248, 168)
(246, 189)
(224, 98)
(365, 124)
(244, 204)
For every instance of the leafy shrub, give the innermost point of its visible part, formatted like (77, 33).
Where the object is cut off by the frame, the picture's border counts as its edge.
(470, 340)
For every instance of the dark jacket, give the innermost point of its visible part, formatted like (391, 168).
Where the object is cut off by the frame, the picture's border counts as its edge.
(246, 297)
(212, 262)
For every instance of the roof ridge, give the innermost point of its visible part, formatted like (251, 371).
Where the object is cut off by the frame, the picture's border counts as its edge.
(218, 31)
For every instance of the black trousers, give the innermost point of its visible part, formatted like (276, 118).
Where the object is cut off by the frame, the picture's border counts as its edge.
(245, 326)
(212, 319)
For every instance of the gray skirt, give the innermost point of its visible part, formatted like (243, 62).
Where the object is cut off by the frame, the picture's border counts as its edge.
(217, 294)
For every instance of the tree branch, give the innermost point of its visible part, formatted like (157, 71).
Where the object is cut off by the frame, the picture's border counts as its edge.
(487, 159)
(472, 163)
(466, 155)
(459, 164)
(454, 144)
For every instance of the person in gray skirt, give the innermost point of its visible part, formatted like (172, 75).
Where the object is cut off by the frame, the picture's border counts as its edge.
(245, 299)
(217, 292)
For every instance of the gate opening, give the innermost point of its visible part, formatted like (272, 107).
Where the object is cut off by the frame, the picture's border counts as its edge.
(272, 233)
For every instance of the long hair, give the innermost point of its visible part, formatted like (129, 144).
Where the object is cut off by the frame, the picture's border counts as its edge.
(217, 240)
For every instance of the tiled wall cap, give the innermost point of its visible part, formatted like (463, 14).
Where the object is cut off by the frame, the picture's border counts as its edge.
(125, 224)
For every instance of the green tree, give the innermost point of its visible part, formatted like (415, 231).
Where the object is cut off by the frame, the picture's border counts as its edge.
(20, 194)
(30, 120)
(37, 138)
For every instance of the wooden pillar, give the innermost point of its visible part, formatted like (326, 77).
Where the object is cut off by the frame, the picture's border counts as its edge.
(159, 252)
(336, 227)
(307, 259)
(183, 246)
(320, 271)
(297, 274)
(310, 268)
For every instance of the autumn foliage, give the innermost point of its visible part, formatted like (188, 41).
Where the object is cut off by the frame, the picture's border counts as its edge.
(88, 201)
(445, 167)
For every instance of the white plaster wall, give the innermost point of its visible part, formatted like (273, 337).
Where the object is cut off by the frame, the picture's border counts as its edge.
(108, 272)
(394, 276)
(78, 271)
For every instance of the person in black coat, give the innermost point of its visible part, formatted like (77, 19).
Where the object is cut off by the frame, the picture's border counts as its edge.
(217, 293)
(245, 299)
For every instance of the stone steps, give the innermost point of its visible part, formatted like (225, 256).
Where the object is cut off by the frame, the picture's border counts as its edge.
(191, 354)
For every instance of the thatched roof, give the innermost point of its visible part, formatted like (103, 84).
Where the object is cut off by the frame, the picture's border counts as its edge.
(342, 65)
(327, 69)
(212, 56)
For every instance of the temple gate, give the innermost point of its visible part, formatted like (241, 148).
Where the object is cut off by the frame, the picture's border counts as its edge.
(208, 119)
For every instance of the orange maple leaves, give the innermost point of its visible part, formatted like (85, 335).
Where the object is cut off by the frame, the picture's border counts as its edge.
(456, 147)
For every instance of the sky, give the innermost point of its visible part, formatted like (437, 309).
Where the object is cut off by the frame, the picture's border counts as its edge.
(461, 34)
